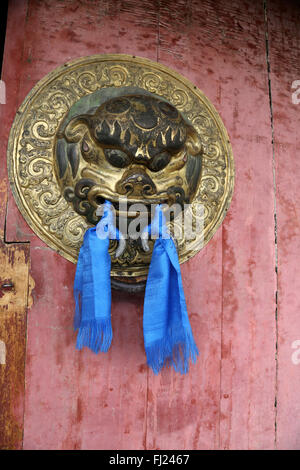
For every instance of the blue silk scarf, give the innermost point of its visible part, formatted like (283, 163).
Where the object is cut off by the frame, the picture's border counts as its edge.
(168, 335)
(92, 294)
(92, 289)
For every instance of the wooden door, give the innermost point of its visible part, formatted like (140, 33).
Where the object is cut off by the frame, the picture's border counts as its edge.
(242, 298)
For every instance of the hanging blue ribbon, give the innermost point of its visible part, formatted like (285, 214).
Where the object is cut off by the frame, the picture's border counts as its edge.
(92, 289)
(168, 336)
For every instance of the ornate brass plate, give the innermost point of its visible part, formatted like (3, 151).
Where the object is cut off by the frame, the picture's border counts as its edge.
(62, 160)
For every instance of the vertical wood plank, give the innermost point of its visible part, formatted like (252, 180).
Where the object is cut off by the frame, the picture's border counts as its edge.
(249, 280)
(11, 70)
(14, 261)
(284, 57)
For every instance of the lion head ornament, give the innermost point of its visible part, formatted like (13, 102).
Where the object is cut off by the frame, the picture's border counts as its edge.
(135, 148)
(126, 130)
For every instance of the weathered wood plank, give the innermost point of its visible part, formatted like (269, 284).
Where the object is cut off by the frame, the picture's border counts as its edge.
(284, 56)
(14, 261)
(11, 77)
(249, 280)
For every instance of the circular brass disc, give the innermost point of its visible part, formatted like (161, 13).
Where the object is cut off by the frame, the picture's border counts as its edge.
(32, 140)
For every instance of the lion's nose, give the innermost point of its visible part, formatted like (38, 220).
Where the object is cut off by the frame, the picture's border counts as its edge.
(136, 183)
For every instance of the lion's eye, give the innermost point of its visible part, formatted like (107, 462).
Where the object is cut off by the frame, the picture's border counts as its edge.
(117, 158)
(160, 161)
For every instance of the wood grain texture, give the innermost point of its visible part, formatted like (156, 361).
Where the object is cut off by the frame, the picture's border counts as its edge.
(284, 58)
(14, 261)
(248, 262)
(78, 399)
(10, 76)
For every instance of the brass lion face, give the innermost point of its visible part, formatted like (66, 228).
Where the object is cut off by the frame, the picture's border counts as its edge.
(134, 147)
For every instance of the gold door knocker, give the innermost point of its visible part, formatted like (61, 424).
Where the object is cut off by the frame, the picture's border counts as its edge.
(127, 130)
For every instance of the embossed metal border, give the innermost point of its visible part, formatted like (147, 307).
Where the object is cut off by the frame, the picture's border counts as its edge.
(223, 178)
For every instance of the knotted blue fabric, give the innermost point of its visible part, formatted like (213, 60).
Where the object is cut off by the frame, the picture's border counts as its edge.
(168, 335)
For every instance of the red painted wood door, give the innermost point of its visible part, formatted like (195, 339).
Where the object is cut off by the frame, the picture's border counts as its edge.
(242, 393)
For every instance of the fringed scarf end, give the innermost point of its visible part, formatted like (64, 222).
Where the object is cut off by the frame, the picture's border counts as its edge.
(95, 334)
(172, 351)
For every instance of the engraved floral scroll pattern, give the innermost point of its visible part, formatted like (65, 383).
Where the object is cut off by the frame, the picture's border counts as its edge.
(30, 149)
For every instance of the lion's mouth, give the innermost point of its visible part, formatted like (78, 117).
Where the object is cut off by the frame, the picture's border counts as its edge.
(87, 197)
(132, 208)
